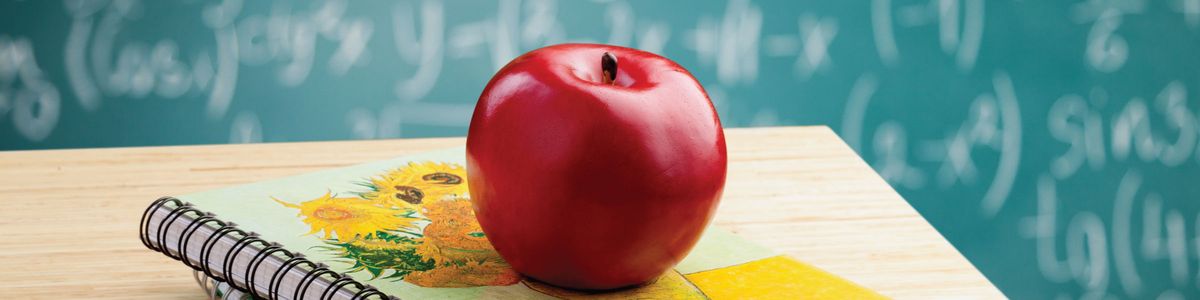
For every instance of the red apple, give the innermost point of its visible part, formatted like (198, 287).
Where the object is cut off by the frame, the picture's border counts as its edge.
(594, 166)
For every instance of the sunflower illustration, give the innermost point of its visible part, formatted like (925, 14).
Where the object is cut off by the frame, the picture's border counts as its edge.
(347, 219)
(414, 223)
(417, 183)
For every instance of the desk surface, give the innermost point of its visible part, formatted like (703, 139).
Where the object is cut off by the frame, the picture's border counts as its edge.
(69, 217)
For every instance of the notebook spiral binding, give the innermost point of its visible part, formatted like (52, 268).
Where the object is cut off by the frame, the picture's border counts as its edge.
(204, 275)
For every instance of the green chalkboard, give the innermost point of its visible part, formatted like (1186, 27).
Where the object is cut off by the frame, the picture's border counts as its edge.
(1055, 143)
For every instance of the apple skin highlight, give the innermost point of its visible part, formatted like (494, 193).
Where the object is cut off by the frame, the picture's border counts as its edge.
(589, 184)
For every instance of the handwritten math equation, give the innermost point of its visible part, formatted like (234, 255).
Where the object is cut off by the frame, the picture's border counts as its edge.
(1131, 240)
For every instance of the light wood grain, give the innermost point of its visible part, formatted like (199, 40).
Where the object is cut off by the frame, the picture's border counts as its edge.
(69, 217)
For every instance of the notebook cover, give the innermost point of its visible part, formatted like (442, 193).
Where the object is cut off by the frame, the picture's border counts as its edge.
(364, 221)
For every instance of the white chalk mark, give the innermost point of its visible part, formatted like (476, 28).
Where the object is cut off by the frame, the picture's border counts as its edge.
(1196, 244)
(428, 46)
(817, 35)
(101, 54)
(1043, 230)
(947, 12)
(353, 37)
(362, 124)
(948, 24)
(1153, 243)
(1085, 136)
(780, 45)
(891, 151)
(983, 122)
(959, 28)
(1124, 263)
(220, 18)
(36, 110)
(972, 35)
(1171, 294)
(225, 80)
(737, 54)
(1131, 129)
(958, 165)
(202, 71)
(1177, 247)
(254, 44)
(982, 128)
(245, 129)
(76, 66)
(1191, 12)
(1087, 251)
(541, 26)
(83, 8)
(390, 120)
(732, 44)
(172, 78)
(301, 45)
(1010, 150)
(503, 34)
(703, 39)
(856, 109)
(222, 14)
(1106, 51)
(466, 40)
(1172, 102)
(1067, 108)
(885, 39)
(327, 19)
(133, 74)
(36, 103)
(1093, 140)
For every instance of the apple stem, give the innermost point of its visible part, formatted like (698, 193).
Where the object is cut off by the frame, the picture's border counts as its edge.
(608, 64)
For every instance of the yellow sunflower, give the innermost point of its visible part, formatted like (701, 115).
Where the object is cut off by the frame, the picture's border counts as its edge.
(417, 183)
(348, 218)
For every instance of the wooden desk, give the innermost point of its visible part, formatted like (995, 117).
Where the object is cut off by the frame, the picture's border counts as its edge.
(69, 217)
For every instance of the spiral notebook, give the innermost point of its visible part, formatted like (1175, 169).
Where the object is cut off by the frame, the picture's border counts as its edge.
(404, 228)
